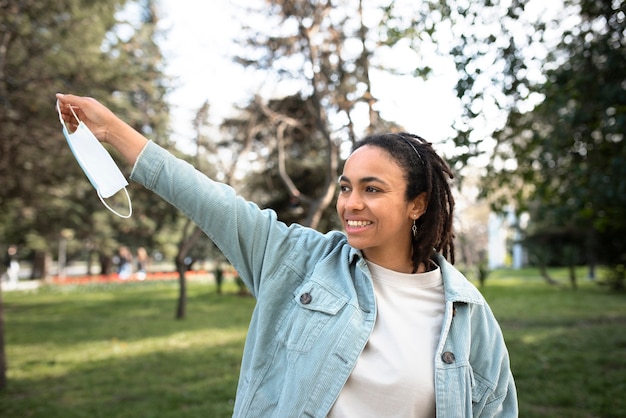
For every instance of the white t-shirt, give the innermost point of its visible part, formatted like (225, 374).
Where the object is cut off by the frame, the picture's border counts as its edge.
(394, 376)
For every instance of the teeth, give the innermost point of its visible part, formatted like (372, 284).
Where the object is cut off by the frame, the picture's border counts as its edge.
(358, 224)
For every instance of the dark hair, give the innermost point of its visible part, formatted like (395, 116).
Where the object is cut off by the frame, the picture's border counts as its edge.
(424, 171)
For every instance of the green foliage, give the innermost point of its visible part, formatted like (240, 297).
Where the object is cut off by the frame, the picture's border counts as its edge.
(555, 74)
(487, 42)
(566, 158)
(48, 46)
(81, 47)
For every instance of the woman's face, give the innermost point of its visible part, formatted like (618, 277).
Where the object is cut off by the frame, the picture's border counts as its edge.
(373, 209)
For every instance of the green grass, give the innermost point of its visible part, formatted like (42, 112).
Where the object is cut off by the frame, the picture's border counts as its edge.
(115, 350)
(567, 347)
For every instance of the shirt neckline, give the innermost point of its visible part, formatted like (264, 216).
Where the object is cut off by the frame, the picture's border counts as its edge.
(386, 276)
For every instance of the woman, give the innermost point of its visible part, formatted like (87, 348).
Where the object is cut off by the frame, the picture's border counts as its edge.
(142, 263)
(373, 322)
(125, 263)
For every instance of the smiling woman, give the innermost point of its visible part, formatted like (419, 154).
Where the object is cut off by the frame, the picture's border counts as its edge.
(408, 172)
(376, 213)
(371, 322)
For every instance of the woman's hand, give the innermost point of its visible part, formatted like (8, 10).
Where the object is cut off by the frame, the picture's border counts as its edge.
(103, 123)
(97, 117)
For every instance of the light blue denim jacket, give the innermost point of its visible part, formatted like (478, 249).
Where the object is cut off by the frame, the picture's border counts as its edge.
(316, 307)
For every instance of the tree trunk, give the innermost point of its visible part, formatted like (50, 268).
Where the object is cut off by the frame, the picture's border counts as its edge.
(106, 264)
(3, 362)
(41, 265)
(544, 274)
(89, 262)
(572, 276)
(181, 306)
(184, 246)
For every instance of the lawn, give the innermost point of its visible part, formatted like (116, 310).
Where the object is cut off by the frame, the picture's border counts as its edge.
(115, 350)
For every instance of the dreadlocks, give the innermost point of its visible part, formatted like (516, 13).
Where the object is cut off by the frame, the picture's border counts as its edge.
(425, 172)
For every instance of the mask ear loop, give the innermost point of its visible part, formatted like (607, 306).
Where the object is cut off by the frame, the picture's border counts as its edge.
(61, 116)
(130, 205)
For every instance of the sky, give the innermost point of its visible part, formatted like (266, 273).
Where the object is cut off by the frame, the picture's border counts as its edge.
(197, 47)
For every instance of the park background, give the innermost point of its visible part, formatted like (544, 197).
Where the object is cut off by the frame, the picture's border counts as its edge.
(526, 100)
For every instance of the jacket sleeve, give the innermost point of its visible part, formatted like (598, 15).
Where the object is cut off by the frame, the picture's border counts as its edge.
(242, 231)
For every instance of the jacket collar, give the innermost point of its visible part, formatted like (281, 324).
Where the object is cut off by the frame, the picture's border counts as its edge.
(457, 287)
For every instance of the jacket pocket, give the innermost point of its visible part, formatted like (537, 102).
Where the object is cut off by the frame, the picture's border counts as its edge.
(313, 306)
(481, 389)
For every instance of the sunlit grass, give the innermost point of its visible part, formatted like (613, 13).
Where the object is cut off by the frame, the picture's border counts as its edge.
(568, 347)
(117, 351)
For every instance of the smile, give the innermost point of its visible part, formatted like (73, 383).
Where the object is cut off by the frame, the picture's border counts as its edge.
(358, 224)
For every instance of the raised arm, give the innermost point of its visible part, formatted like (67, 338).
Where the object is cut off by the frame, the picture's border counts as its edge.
(104, 124)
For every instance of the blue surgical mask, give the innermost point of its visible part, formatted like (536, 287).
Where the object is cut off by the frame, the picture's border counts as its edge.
(96, 162)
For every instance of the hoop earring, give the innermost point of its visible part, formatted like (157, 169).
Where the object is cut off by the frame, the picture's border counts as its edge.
(414, 228)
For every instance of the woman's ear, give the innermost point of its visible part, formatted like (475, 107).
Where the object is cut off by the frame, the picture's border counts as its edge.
(420, 204)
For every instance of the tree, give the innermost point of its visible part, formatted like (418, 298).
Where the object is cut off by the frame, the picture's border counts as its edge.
(324, 50)
(140, 95)
(28, 51)
(495, 48)
(542, 92)
(566, 158)
(36, 59)
(190, 232)
(293, 153)
(78, 47)
(73, 46)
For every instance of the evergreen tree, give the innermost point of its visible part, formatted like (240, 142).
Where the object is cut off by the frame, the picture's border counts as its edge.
(81, 47)
(78, 47)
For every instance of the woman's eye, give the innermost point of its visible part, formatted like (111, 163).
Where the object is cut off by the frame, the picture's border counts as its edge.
(343, 188)
(370, 189)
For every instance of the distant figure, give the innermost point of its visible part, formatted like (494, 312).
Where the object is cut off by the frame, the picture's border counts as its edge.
(125, 266)
(219, 277)
(142, 263)
(12, 265)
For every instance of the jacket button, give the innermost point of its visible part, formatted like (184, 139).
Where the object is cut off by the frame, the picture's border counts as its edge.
(448, 357)
(305, 298)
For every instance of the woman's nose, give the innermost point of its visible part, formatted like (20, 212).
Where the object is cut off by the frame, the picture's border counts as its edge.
(354, 201)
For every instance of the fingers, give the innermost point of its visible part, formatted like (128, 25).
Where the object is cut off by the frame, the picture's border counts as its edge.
(75, 109)
(68, 110)
(80, 102)
(70, 99)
